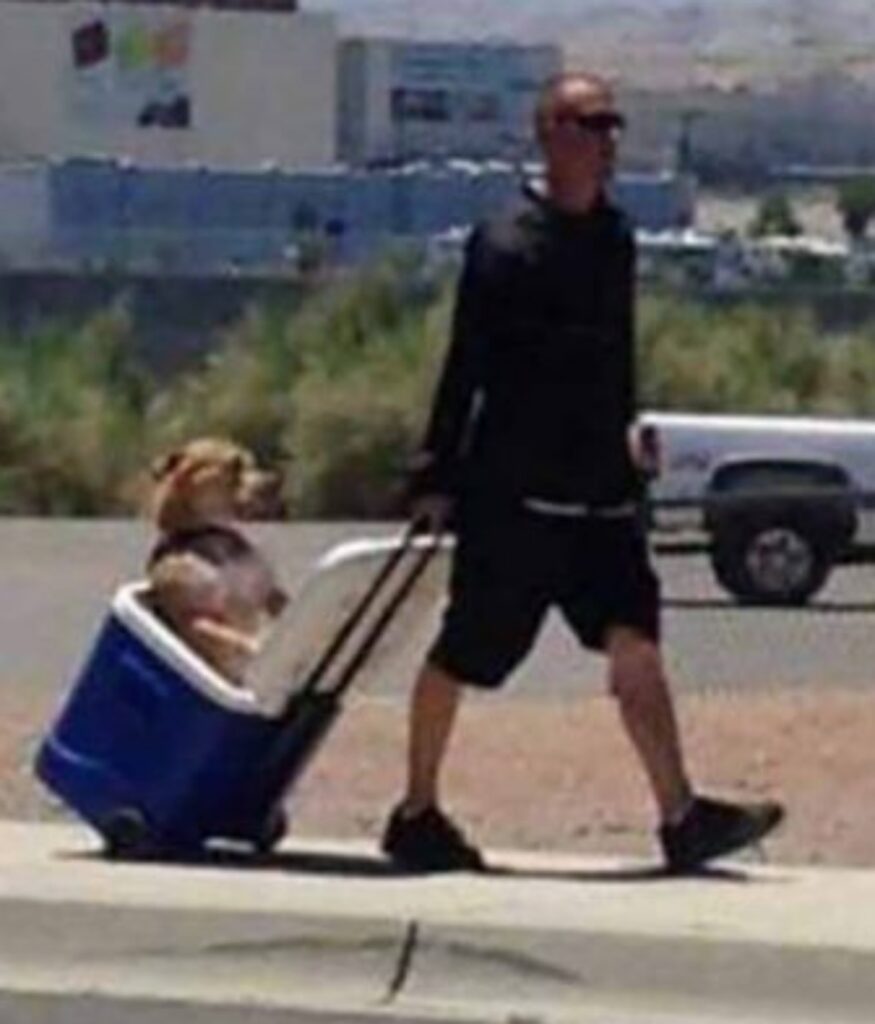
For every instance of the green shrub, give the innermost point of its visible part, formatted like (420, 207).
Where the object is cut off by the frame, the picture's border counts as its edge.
(71, 419)
(339, 384)
(355, 425)
(242, 390)
(747, 359)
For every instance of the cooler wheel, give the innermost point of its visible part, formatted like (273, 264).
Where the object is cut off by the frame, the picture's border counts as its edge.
(127, 834)
(272, 831)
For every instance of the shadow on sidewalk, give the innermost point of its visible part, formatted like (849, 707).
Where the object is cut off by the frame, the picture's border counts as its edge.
(309, 862)
(365, 865)
(631, 874)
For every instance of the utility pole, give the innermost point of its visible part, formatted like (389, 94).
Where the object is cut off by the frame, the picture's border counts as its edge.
(684, 152)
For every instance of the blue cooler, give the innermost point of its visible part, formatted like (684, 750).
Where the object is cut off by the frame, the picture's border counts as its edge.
(162, 754)
(157, 750)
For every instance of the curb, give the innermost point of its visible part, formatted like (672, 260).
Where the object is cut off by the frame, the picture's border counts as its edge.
(324, 924)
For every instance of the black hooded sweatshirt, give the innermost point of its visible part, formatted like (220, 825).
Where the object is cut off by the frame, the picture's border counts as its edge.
(538, 386)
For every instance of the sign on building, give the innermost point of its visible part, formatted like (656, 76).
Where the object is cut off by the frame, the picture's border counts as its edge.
(129, 66)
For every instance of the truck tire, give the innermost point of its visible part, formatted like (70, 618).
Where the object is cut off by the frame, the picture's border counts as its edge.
(780, 559)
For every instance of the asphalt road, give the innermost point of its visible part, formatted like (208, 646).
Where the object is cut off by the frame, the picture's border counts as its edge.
(59, 575)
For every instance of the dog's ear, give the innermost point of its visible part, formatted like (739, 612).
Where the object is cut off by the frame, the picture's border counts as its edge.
(164, 465)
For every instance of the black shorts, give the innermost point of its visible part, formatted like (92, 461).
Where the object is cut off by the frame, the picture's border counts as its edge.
(512, 566)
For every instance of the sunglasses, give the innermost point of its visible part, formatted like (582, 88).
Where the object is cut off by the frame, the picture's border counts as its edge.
(600, 123)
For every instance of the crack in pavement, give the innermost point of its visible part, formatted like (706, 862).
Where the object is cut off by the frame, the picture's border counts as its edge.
(405, 963)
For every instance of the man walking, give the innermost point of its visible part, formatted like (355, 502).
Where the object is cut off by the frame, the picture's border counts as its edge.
(530, 445)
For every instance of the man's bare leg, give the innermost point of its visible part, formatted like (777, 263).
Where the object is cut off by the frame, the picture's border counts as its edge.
(637, 679)
(693, 830)
(418, 835)
(433, 706)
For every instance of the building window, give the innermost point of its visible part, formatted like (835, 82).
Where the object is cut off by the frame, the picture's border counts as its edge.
(420, 105)
(481, 107)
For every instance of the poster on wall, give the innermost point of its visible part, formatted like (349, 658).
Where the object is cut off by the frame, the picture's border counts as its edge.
(129, 67)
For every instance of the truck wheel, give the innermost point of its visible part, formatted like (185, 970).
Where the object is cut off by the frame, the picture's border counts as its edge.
(776, 562)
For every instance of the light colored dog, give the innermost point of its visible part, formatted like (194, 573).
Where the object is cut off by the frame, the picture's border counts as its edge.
(208, 581)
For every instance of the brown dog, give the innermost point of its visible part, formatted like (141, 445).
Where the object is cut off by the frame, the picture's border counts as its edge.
(207, 580)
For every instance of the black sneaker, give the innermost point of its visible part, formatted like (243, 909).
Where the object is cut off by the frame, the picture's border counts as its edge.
(713, 828)
(428, 841)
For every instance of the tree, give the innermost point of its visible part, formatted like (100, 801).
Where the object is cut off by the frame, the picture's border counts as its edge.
(855, 201)
(775, 216)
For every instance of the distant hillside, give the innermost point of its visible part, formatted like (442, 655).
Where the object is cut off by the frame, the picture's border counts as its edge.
(762, 83)
(656, 42)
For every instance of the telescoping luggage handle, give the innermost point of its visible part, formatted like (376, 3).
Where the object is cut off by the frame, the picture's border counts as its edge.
(360, 610)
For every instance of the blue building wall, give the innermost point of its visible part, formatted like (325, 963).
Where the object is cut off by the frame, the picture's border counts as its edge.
(195, 219)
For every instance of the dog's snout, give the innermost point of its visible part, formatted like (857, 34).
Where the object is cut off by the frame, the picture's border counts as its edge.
(261, 495)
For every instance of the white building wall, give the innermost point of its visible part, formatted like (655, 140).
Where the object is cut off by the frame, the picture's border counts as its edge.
(261, 86)
(365, 86)
(266, 85)
(31, 101)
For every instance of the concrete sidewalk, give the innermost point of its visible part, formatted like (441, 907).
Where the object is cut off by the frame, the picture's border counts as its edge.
(326, 925)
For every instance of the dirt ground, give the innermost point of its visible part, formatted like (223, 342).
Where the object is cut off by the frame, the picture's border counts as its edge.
(559, 776)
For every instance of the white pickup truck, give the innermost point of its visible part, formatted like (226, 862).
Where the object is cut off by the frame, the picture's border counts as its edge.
(776, 500)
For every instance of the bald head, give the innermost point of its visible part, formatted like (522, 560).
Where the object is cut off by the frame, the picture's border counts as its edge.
(578, 126)
(571, 93)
